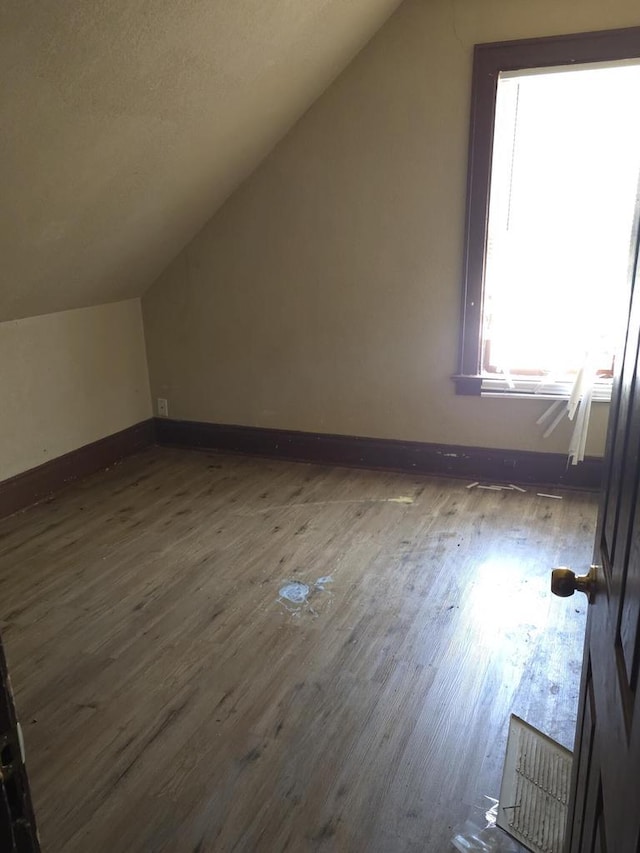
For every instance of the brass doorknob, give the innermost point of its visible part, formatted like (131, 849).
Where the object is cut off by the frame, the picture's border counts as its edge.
(565, 582)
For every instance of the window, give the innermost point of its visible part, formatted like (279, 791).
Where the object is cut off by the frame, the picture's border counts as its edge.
(553, 165)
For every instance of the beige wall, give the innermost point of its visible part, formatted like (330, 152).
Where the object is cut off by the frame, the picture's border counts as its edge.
(68, 379)
(325, 294)
(126, 124)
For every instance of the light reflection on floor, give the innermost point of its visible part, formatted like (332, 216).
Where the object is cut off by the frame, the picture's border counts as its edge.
(506, 596)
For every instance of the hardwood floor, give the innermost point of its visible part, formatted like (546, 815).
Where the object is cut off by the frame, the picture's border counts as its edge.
(171, 701)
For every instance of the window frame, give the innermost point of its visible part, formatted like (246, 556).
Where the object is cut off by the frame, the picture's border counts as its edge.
(489, 60)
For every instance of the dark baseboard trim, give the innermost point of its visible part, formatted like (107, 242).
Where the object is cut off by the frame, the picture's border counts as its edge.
(31, 486)
(471, 463)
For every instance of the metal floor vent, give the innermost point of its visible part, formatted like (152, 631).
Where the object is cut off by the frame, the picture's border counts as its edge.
(534, 795)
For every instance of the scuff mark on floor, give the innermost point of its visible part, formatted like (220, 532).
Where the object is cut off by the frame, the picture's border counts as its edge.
(401, 499)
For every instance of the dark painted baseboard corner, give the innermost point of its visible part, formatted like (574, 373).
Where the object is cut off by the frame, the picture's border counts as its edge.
(32, 486)
(473, 463)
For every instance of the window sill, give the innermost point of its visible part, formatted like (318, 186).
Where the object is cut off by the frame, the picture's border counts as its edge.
(525, 388)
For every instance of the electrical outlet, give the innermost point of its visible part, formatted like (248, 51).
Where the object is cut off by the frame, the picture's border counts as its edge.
(163, 407)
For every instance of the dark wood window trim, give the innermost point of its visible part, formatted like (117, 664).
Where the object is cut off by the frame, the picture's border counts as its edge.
(488, 61)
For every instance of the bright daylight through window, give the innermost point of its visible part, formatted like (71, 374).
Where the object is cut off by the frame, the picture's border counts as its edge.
(564, 178)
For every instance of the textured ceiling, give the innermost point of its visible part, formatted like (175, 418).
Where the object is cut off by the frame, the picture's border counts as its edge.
(126, 123)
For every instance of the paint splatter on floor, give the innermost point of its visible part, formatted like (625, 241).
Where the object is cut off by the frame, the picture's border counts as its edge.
(294, 595)
(295, 592)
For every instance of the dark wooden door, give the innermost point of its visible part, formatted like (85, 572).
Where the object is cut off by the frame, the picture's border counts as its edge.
(605, 809)
(17, 823)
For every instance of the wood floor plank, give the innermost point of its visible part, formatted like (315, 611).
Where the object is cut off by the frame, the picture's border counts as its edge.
(172, 701)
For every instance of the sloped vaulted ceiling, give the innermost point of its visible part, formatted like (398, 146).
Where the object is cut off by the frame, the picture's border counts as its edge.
(126, 123)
